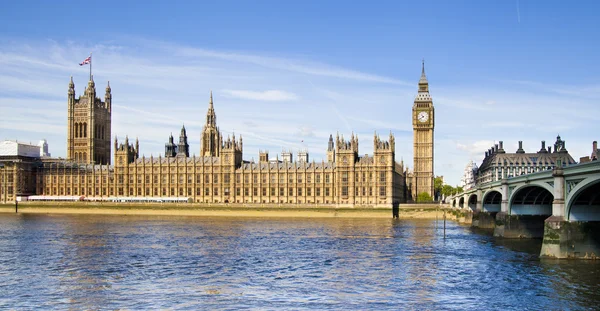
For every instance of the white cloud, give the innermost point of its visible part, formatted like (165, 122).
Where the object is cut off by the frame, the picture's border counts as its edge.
(477, 147)
(271, 95)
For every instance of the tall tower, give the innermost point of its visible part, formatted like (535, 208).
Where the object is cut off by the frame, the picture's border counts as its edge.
(423, 124)
(170, 148)
(211, 137)
(330, 150)
(183, 149)
(89, 123)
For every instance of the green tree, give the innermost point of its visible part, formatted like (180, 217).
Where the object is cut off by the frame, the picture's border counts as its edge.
(447, 190)
(424, 197)
(459, 189)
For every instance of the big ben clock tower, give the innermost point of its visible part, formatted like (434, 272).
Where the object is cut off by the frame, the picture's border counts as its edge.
(423, 123)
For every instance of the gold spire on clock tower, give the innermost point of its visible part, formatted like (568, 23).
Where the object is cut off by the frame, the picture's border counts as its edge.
(423, 125)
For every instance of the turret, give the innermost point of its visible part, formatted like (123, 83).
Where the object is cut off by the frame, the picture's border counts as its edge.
(108, 97)
(330, 150)
(71, 88)
(183, 147)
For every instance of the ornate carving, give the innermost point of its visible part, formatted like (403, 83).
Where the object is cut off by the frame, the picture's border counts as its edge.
(572, 184)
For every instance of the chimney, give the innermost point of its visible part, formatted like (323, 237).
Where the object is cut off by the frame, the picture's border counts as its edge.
(501, 144)
(486, 154)
(520, 150)
(595, 146)
(549, 149)
(495, 148)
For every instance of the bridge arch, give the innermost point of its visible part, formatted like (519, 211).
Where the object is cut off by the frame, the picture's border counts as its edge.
(584, 202)
(491, 201)
(472, 203)
(531, 199)
(454, 203)
(461, 202)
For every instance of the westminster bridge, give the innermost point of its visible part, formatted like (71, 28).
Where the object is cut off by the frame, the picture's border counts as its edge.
(561, 205)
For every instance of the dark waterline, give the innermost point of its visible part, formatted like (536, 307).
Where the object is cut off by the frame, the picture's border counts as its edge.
(139, 262)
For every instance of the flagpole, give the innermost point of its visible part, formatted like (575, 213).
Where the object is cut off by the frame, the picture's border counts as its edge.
(90, 66)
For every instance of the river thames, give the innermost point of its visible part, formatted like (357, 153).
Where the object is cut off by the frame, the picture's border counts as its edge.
(215, 263)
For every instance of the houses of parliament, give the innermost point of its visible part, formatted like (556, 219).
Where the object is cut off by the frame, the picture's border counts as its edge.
(219, 174)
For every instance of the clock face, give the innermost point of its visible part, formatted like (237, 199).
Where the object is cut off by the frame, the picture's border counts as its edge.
(423, 116)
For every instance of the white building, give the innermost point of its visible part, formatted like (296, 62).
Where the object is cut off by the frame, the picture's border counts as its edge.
(14, 148)
(469, 178)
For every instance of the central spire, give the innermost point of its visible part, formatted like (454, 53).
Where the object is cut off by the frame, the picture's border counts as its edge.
(423, 79)
(211, 118)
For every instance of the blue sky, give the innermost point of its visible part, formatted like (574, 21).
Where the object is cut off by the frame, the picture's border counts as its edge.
(287, 74)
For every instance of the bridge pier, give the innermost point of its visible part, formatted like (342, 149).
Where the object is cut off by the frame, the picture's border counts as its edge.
(571, 239)
(484, 220)
(564, 238)
(519, 226)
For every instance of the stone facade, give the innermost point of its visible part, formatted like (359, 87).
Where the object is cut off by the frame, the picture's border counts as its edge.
(218, 175)
(423, 119)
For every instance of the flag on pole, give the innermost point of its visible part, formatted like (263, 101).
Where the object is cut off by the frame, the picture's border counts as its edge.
(86, 61)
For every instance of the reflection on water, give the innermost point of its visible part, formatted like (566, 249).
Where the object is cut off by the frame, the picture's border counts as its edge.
(136, 262)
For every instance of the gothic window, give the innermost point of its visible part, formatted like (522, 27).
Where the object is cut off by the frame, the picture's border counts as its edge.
(382, 191)
(84, 129)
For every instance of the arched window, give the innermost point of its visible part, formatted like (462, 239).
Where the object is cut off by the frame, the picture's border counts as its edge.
(84, 131)
(75, 129)
(102, 131)
(80, 130)
(84, 156)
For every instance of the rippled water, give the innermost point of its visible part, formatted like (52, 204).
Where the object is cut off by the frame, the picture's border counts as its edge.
(135, 263)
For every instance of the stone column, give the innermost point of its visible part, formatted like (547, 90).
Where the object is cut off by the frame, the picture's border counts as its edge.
(502, 218)
(558, 205)
(479, 206)
(504, 202)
